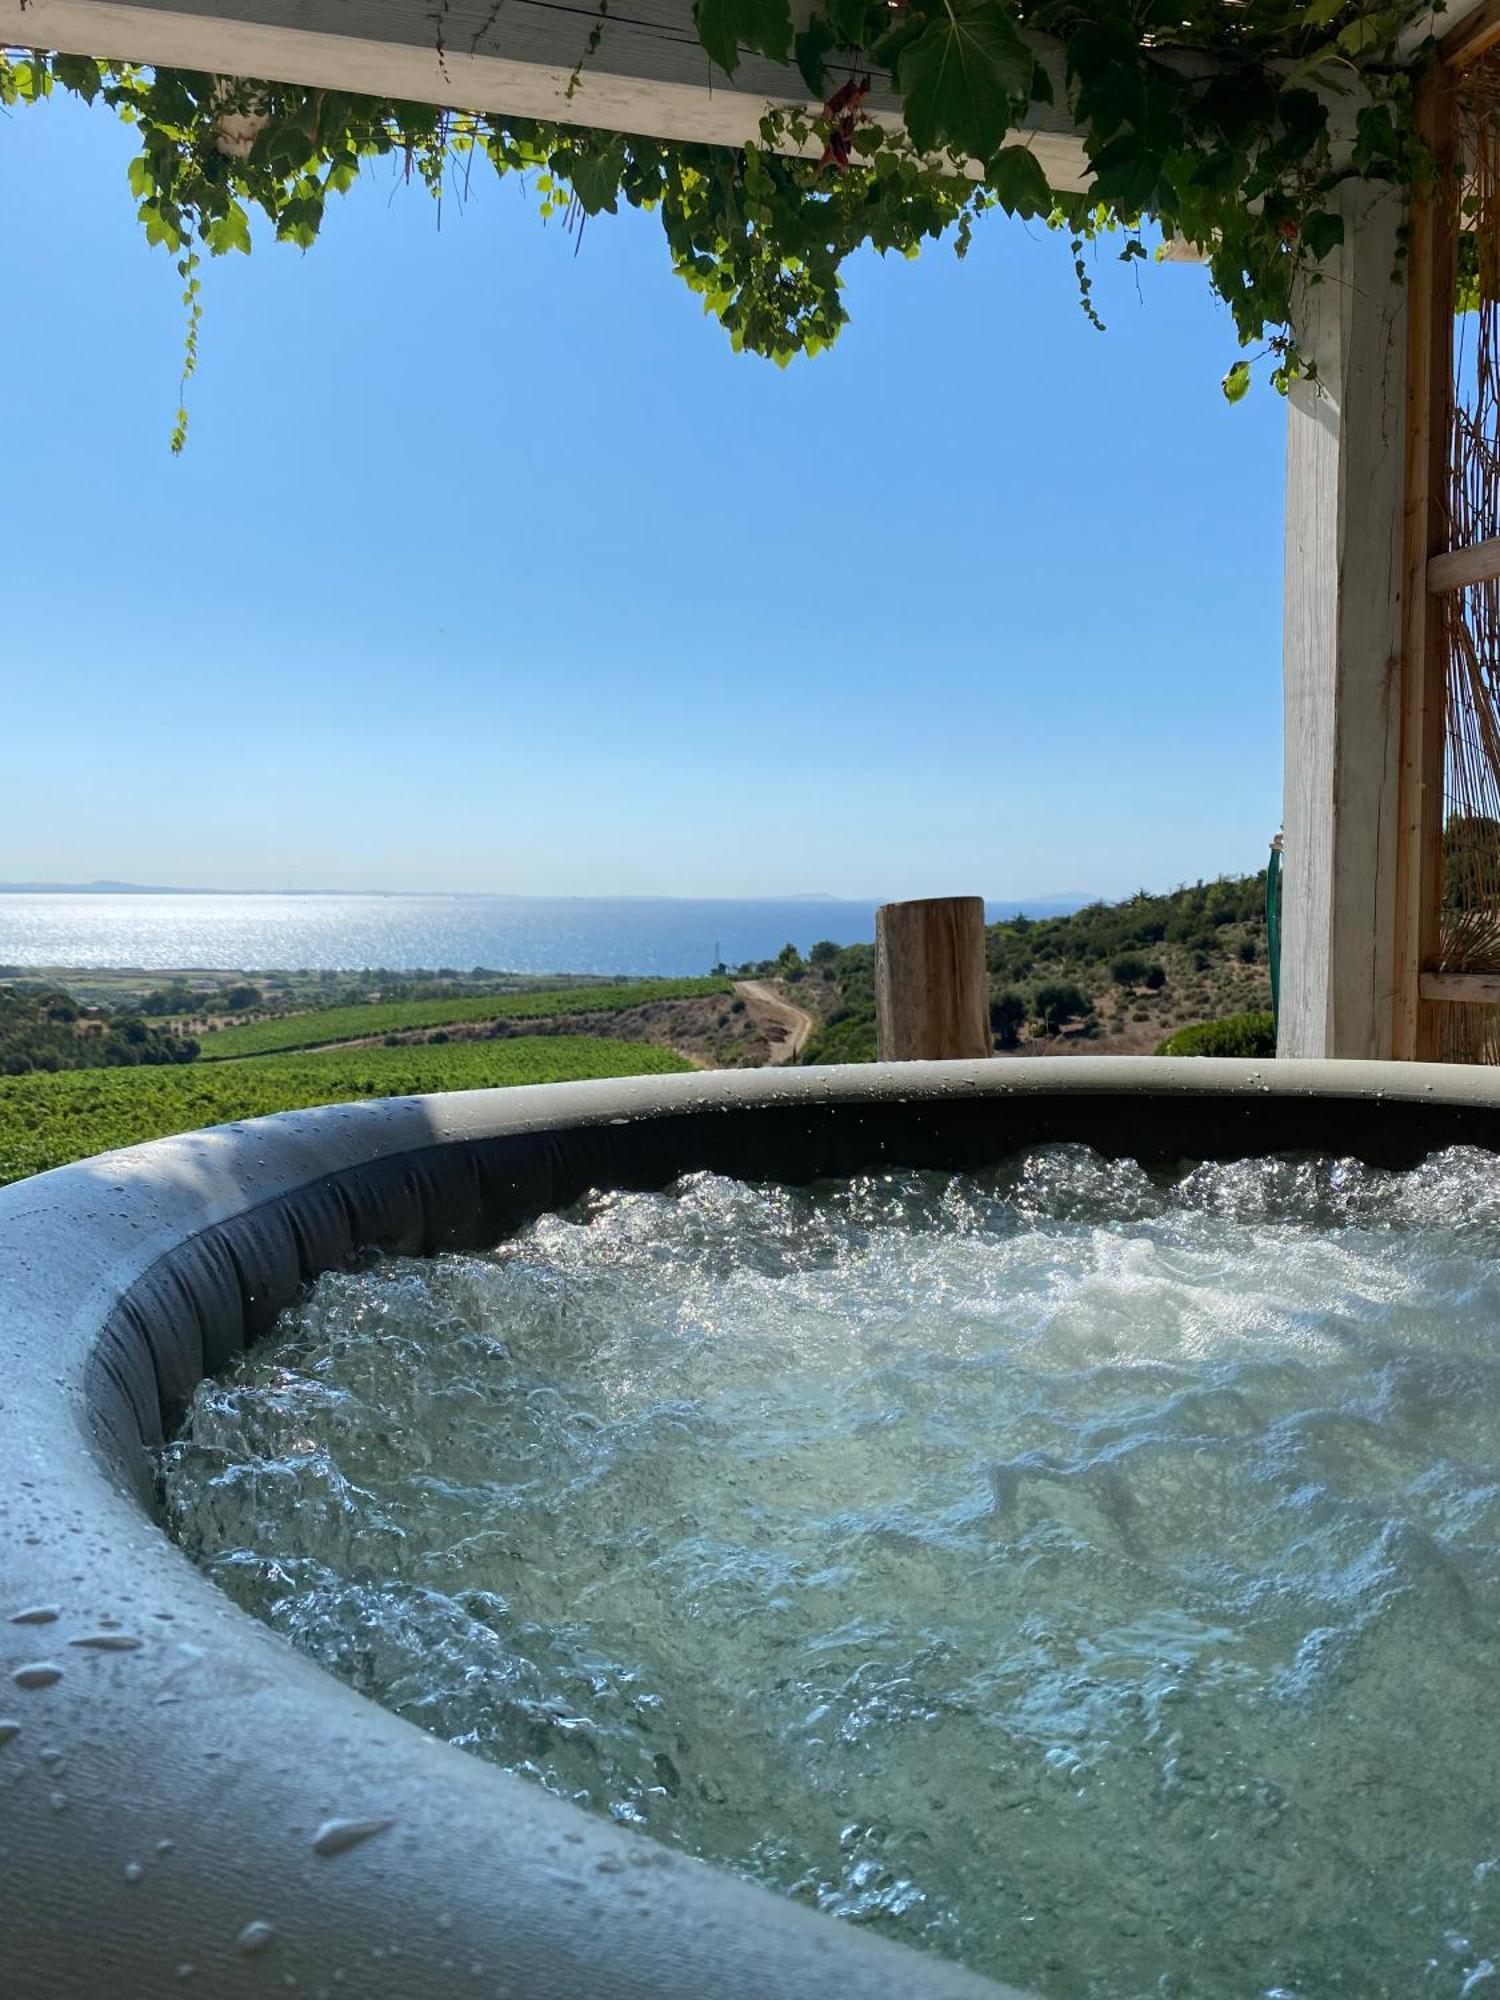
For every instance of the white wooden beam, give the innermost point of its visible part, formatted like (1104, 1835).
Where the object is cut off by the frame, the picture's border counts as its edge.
(1342, 643)
(649, 74)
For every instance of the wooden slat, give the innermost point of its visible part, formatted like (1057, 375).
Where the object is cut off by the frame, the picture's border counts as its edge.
(1424, 664)
(1475, 35)
(1458, 569)
(1470, 989)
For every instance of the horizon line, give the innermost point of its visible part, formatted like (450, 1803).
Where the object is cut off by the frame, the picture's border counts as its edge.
(107, 887)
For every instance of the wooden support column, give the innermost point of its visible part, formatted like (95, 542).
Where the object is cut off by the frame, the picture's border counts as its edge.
(932, 996)
(1342, 643)
(1432, 249)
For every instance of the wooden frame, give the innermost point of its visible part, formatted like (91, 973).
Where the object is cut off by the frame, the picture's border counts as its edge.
(1434, 571)
(1473, 35)
(1425, 535)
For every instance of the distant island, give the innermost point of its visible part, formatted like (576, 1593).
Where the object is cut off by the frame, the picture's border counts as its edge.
(86, 889)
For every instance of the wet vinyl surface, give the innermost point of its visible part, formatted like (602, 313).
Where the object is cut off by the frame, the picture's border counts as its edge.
(1089, 1575)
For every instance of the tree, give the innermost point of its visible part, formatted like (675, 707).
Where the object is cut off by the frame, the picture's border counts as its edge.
(1007, 1018)
(824, 952)
(1058, 1001)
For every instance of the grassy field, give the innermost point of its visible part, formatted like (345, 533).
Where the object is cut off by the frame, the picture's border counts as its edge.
(396, 1017)
(47, 1120)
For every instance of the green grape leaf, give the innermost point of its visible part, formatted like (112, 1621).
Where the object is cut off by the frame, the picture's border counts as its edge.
(963, 79)
(1015, 176)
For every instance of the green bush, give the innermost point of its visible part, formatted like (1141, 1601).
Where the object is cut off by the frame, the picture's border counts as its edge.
(1007, 1018)
(1058, 1001)
(1237, 1035)
(848, 1039)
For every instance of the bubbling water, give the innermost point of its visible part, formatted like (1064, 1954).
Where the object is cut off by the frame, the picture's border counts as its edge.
(1089, 1574)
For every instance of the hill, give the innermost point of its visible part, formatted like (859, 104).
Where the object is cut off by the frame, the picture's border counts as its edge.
(1111, 978)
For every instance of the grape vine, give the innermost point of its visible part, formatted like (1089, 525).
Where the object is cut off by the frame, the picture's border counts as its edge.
(1228, 124)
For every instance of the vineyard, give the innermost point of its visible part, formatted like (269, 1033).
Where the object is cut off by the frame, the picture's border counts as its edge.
(47, 1120)
(399, 1017)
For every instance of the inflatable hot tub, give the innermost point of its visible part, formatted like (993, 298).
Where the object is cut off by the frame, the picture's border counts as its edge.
(186, 1804)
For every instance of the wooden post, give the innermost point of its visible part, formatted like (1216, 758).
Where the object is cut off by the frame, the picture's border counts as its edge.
(1344, 494)
(1432, 248)
(932, 997)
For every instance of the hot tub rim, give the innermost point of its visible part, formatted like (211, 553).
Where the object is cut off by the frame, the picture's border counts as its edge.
(125, 1274)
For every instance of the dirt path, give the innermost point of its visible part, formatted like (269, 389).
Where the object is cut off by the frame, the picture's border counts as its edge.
(768, 1008)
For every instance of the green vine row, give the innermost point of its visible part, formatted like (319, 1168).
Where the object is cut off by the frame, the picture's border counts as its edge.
(1215, 121)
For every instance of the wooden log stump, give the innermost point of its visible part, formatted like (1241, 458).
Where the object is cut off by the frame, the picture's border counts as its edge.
(932, 998)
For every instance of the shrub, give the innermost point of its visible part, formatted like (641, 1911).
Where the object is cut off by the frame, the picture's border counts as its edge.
(1237, 1035)
(1128, 971)
(1007, 1017)
(1058, 1001)
(1155, 978)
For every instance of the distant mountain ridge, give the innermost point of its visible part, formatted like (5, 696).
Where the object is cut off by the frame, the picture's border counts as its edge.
(91, 889)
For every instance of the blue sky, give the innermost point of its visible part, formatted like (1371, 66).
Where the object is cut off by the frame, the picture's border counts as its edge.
(490, 566)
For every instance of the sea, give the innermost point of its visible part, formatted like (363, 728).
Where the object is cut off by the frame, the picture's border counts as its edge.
(667, 936)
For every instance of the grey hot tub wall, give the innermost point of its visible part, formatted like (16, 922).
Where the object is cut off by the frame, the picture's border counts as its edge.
(161, 1793)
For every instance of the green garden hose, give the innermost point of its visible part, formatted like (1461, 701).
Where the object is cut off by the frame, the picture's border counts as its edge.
(1273, 928)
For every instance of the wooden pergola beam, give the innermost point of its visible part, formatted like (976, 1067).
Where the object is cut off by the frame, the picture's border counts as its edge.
(648, 75)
